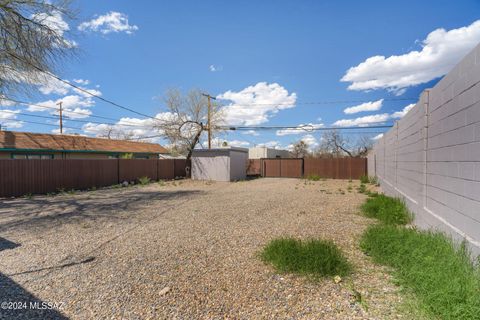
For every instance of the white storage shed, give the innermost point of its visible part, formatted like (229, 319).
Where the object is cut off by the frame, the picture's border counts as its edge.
(224, 164)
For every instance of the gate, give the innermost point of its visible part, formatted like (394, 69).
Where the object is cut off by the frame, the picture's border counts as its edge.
(332, 168)
(286, 168)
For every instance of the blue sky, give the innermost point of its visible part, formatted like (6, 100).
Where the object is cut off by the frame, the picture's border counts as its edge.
(252, 52)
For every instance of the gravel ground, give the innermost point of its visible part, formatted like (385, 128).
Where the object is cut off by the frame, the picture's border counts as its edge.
(186, 250)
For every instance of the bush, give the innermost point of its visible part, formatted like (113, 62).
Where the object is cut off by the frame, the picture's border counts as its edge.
(442, 276)
(362, 188)
(386, 209)
(144, 180)
(373, 180)
(317, 258)
(314, 177)
(364, 179)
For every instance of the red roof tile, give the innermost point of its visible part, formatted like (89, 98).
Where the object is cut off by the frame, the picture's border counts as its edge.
(28, 140)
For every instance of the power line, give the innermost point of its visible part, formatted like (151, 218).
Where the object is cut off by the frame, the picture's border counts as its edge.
(305, 128)
(40, 123)
(149, 116)
(81, 89)
(68, 111)
(290, 127)
(70, 119)
(317, 102)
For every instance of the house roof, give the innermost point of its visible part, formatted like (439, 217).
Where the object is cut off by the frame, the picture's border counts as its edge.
(73, 143)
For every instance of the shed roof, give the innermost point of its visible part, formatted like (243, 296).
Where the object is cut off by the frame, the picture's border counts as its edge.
(44, 141)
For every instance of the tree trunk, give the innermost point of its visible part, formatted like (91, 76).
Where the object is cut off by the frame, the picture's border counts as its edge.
(194, 143)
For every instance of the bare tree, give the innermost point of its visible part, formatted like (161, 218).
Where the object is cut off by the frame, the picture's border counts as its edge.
(112, 132)
(334, 144)
(363, 145)
(300, 149)
(187, 119)
(32, 36)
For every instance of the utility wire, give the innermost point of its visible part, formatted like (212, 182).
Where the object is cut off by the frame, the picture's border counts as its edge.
(69, 111)
(291, 127)
(152, 117)
(40, 123)
(70, 119)
(80, 88)
(305, 128)
(317, 102)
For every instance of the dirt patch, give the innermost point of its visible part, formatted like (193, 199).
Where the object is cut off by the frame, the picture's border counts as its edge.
(190, 250)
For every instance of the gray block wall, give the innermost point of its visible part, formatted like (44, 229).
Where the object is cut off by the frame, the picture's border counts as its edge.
(431, 157)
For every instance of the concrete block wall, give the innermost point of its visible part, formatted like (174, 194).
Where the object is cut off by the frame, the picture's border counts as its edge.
(431, 157)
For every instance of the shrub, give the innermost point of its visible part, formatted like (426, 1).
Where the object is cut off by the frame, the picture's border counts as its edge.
(126, 156)
(441, 275)
(364, 179)
(317, 258)
(144, 180)
(373, 180)
(386, 209)
(314, 177)
(362, 188)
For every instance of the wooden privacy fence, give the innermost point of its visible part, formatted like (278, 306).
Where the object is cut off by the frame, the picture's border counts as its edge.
(19, 177)
(334, 168)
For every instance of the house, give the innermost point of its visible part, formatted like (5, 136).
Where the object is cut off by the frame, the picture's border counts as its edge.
(264, 152)
(27, 145)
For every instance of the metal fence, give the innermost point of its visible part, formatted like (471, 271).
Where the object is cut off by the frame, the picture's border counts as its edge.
(334, 168)
(20, 177)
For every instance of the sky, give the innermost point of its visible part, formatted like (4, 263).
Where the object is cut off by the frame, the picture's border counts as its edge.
(305, 63)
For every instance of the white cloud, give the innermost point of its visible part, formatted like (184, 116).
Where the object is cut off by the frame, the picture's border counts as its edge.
(214, 68)
(403, 112)
(440, 51)
(5, 103)
(301, 128)
(133, 128)
(50, 85)
(363, 121)
(367, 106)
(54, 21)
(373, 119)
(378, 136)
(107, 23)
(274, 144)
(7, 119)
(73, 106)
(11, 124)
(256, 104)
(310, 140)
(6, 114)
(82, 81)
(251, 133)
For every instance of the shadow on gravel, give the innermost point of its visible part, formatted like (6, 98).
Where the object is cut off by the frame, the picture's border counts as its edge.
(6, 244)
(18, 303)
(49, 212)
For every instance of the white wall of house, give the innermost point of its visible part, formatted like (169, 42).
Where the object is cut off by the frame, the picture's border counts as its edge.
(264, 152)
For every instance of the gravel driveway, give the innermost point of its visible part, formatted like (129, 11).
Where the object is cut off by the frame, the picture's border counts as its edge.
(185, 250)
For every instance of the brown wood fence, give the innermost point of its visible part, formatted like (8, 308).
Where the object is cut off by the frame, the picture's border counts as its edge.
(19, 177)
(334, 168)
